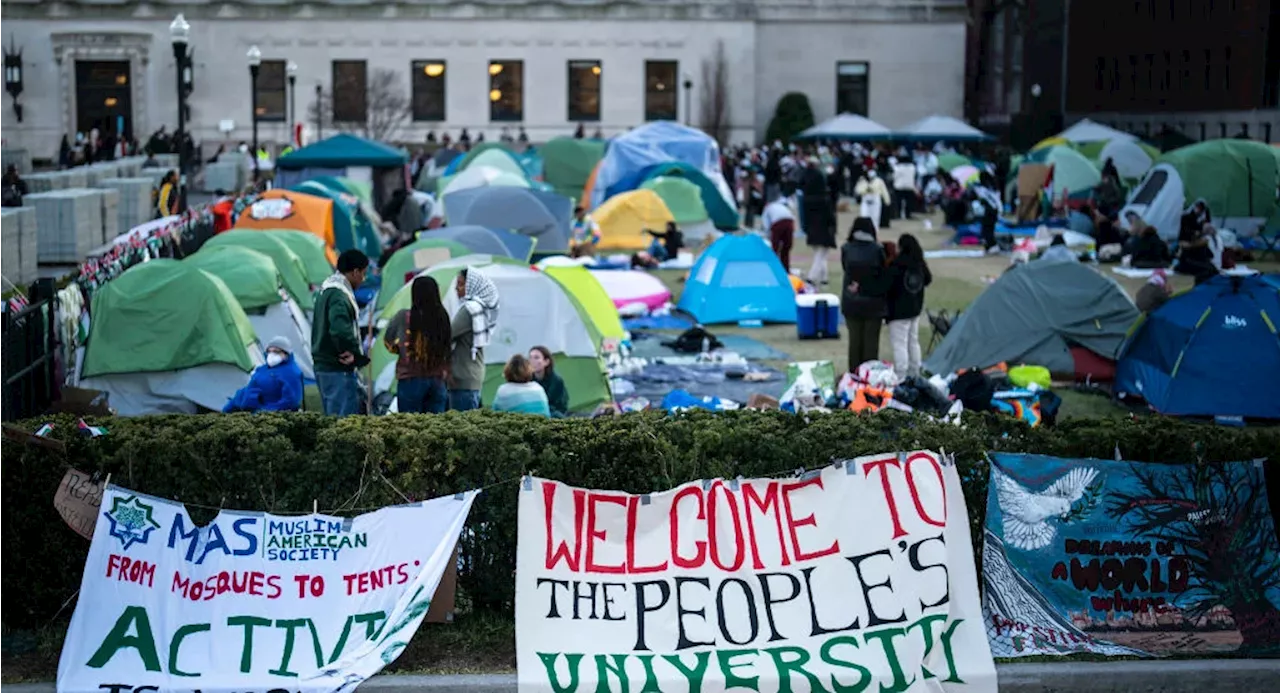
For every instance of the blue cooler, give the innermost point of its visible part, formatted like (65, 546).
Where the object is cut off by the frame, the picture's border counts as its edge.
(818, 316)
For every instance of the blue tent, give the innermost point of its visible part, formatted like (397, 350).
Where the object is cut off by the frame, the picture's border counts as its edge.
(629, 155)
(484, 241)
(1213, 351)
(518, 209)
(738, 278)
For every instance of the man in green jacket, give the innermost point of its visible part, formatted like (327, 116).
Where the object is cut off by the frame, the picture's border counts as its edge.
(335, 336)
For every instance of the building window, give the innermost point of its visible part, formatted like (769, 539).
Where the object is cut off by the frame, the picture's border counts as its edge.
(661, 90)
(852, 86)
(1100, 68)
(1208, 70)
(271, 91)
(584, 90)
(1226, 69)
(506, 90)
(350, 91)
(428, 90)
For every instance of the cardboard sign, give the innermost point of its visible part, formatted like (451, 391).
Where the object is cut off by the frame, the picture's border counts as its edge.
(426, 258)
(77, 500)
(1031, 178)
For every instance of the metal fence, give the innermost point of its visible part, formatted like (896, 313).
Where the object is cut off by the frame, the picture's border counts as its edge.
(29, 354)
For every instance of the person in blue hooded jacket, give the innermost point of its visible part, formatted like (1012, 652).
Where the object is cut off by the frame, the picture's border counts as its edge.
(275, 386)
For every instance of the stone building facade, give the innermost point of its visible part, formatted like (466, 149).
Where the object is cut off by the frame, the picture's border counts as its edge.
(545, 65)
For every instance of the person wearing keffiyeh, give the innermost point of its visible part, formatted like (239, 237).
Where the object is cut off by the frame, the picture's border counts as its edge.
(473, 325)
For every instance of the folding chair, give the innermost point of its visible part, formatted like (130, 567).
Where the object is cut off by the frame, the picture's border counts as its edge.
(941, 323)
(1270, 242)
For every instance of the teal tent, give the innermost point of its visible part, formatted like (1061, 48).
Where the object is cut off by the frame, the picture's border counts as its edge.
(351, 227)
(340, 151)
(722, 214)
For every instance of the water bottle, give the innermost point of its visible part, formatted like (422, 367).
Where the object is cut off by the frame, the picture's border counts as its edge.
(706, 345)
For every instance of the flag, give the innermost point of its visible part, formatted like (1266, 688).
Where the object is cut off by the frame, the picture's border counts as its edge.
(44, 430)
(91, 431)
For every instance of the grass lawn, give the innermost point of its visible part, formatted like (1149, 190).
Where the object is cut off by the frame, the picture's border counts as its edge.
(956, 283)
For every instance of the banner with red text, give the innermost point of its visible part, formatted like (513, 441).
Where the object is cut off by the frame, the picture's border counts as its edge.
(1129, 558)
(251, 601)
(857, 577)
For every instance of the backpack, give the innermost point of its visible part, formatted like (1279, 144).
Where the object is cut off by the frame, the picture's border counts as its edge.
(974, 389)
(690, 341)
(12, 196)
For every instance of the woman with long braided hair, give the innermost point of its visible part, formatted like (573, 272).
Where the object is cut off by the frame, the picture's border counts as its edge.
(423, 340)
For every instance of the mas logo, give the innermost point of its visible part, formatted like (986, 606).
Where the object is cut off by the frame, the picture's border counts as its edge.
(1232, 322)
(131, 521)
(275, 208)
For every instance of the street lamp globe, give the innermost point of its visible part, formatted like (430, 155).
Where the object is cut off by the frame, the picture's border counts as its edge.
(255, 56)
(292, 69)
(179, 30)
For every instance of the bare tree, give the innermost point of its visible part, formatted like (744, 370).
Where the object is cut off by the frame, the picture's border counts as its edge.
(715, 95)
(387, 109)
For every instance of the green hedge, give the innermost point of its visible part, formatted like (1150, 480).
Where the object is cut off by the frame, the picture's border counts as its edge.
(285, 462)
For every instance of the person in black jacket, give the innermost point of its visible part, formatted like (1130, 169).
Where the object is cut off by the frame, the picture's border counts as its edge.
(908, 276)
(862, 299)
(818, 219)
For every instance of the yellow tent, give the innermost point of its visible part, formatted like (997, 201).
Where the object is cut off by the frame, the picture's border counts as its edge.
(1054, 141)
(624, 217)
(595, 302)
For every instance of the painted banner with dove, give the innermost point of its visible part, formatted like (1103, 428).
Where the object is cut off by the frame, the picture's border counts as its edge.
(1128, 558)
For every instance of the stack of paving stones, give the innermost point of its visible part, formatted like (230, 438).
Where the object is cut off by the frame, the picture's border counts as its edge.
(16, 157)
(228, 175)
(18, 253)
(69, 223)
(110, 214)
(134, 204)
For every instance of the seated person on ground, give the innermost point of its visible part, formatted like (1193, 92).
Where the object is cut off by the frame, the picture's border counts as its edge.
(544, 374)
(585, 234)
(1196, 249)
(520, 393)
(666, 244)
(1145, 247)
(274, 386)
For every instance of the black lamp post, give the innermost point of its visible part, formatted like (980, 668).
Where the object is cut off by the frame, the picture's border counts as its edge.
(180, 32)
(255, 64)
(13, 75)
(688, 100)
(292, 69)
(319, 111)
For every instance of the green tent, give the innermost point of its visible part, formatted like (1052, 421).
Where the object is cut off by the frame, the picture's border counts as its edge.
(1071, 169)
(501, 159)
(947, 162)
(342, 150)
(462, 164)
(363, 192)
(417, 256)
(535, 310)
(567, 163)
(163, 316)
(251, 276)
(722, 214)
(292, 271)
(310, 249)
(682, 197)
(350, 227)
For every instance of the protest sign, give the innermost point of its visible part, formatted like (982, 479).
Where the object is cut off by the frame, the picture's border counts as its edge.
(1129, 558)
(77, 500)
(251, 601)
(858, 577)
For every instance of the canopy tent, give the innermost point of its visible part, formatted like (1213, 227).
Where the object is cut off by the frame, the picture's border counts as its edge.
(568, 162)
(167, 337)
(632, 156)
(1071, 170)
(630, 288)
(291, 268)
(846, 126)
(420, 255)
(372, 163)
(940, 127)
(682, 197)
(950, 161)
(517, 209)
(255, 282)
(1132, 158)
(534, 310)
(738, 278)
(624, 218)
(595, 301)
(1212, 351)
(351, 226)
(1035, 314)
(1237, 179)
(287, 209)
(479, 239)
(310, 249)
(722, 212)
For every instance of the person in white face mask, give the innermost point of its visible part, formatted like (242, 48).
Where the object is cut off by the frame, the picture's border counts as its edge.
(275, 386)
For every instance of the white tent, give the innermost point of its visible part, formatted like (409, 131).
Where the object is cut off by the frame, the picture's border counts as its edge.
(1131, 160)
(940, 127)
(1088, 131)
(172, 392)
(847, 126)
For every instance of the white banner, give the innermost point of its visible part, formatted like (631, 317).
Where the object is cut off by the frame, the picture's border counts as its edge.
(856, 578)
(251, 601)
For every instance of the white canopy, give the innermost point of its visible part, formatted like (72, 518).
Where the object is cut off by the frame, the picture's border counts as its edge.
(1089, 131)
(847, 126)
(940, 127)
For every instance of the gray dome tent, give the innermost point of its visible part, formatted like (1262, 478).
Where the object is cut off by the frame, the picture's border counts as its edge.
(1034, 314)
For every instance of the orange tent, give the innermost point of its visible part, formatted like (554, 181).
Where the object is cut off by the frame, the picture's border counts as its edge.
(585, 201)
(286, 209)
